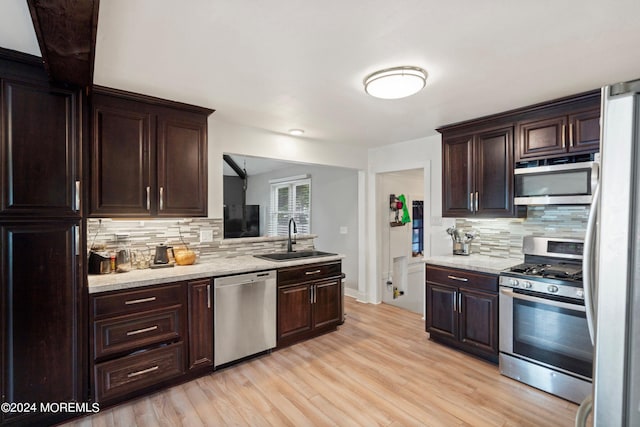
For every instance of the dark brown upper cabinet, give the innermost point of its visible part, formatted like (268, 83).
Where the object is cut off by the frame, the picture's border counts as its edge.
(477, 173)
(39, 149)
(571, 132)
(148, 157)
(479, 155)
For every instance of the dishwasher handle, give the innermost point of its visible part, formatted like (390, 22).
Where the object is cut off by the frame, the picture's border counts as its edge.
(243, 279)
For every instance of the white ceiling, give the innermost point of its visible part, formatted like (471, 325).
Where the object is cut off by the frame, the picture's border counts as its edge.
(298, 64)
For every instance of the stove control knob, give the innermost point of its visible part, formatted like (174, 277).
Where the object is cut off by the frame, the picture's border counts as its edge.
(526, 284)
(514, 282)
(580, 293)
(552, 288)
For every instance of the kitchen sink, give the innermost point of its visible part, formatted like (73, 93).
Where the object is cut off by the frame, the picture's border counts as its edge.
(287, 256)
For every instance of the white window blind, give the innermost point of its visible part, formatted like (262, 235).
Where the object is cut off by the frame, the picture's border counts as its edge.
(290, 199)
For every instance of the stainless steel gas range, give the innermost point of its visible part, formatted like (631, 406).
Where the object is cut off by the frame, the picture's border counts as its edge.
(544, 337)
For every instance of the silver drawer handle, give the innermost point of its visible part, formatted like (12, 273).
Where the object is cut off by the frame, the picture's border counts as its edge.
(141, 300)
(142, 331)
(142, 372)
(312, 272)
(460, 279)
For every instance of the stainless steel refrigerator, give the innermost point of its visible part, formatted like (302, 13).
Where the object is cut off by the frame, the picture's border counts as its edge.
(612, 264)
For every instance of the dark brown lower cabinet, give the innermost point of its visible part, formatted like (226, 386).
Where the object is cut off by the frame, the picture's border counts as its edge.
(139, 340)
(462, 310)
(294, 311)
(200, 326)
(148, 338)
(42, 344)
(126, 375)
(309, 301)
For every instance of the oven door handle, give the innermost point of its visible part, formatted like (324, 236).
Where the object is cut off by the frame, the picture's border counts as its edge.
(509, 292)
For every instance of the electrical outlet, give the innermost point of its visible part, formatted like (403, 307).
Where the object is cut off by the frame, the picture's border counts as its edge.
(206, 236)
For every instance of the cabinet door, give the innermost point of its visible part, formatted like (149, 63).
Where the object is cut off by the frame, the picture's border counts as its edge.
(41, 342)
(182, 165)
(494, 173)
(479, 320)
(457, 176)
(584, 131)
(200, 324)
(326, 303)
(294, 311)
(39, 150)
(542, 138)
(121, 175)
(442, 318)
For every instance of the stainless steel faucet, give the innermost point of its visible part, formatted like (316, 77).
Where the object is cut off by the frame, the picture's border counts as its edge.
(290, 241)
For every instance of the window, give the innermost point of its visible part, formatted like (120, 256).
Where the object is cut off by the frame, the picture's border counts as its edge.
(417, 228)
(290, 198)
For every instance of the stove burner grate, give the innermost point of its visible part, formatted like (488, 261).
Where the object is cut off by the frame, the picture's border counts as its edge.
(555, 271)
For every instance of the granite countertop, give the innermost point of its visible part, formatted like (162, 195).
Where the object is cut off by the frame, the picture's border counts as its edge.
(218, 267)
(482, 263)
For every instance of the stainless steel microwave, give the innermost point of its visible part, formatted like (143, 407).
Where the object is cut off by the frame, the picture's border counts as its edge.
(564, 184)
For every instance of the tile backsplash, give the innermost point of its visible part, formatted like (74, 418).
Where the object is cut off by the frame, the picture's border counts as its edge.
(145, 235)
(502, 237)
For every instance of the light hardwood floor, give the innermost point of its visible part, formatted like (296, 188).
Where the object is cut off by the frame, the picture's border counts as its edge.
(378, 369)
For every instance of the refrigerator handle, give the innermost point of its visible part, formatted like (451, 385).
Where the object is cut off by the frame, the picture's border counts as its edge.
(589, 260)
(583, 411)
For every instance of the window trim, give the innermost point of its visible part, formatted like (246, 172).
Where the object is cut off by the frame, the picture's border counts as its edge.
(290, 182)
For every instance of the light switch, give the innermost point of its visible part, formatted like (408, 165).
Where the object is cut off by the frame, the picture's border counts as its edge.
(343, 230)
(206, 236)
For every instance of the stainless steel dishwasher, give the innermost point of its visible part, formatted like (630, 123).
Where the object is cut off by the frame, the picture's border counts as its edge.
(244, 315)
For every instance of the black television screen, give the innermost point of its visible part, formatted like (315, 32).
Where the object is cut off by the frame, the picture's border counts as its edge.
(233, 221)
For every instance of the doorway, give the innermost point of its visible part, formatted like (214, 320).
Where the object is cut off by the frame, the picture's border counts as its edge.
(401, 247)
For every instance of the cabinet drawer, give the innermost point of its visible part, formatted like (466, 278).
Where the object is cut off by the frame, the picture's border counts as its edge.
(128, 374)
(136, 301)
(125, 333)
(308, 272)
(462, 278)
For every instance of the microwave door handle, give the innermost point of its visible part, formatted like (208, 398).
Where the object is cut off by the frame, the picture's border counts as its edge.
(588, 263)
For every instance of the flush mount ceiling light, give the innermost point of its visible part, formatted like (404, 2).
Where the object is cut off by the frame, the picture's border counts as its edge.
(296, 132)
(395, 83)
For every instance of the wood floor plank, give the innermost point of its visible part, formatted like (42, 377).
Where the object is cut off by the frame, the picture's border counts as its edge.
(378, 369)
